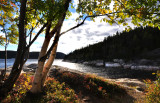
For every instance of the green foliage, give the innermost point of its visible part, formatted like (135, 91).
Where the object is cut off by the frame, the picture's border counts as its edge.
(38, 12)
(153, 90)
(8, 22)
(140, 12)
(125, 45)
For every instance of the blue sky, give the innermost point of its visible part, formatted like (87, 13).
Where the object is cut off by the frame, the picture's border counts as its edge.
(89, 33)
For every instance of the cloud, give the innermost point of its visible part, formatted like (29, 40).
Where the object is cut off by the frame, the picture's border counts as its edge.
(75, 3)
(89, 33)
(77, 31)
(1, 33)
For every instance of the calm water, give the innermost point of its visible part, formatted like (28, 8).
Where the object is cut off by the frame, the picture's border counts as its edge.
(101, 71)
(11, 61)
(58, 62)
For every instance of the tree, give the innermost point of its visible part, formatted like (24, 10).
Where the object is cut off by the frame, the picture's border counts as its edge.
(10, 32)
(22, 44)
(120, 13)
(51, 14)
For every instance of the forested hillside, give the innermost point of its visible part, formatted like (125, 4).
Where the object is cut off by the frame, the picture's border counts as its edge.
(125, 45)
(32, 55)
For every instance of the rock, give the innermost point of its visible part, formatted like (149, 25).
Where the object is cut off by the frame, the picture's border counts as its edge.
(112, 65)
(127, 66)
(145, 62)
(144, 67)
(85, 63)
(99, 64)
(140, 89)
(121, 61)
(33, 66)
(86, 100)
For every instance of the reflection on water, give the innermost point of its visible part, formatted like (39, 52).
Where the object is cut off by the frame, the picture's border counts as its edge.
(101, 71)
(108, 72)
(79, 67)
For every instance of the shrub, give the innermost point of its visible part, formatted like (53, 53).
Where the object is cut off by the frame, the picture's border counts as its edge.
(153, 90)
(53, 92)
(22, 85)
(90, 83)
(58, 92)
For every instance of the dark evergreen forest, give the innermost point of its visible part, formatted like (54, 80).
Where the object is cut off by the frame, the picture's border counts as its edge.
(125, 45)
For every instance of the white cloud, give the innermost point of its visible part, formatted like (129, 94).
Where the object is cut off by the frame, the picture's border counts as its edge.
(75, 3)
(1, 33)
(89, 33)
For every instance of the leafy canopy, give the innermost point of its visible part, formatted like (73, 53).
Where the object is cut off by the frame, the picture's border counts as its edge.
(139, 12)
(8, 25)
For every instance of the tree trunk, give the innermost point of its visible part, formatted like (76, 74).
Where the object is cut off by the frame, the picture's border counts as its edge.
(6, 55)
(50, 60)
(19, 60)
(36, 85)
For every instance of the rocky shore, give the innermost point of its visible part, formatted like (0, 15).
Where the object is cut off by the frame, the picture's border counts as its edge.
(26, 68)
(141, 64)
(125, 77)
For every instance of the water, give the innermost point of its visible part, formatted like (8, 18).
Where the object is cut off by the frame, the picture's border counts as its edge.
(101, 71)
(11, 61)
(108, 72)
(59, 62)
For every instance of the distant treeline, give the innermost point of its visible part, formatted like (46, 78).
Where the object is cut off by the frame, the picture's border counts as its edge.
(125, 45)
(32, 55)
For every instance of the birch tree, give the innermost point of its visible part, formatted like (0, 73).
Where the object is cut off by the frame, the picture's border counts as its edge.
(22, 23)
(50, 14)
(122, 11)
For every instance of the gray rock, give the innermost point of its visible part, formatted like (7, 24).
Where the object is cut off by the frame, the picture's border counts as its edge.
(33, 66)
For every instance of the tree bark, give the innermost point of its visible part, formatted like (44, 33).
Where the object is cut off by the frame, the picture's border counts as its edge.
(36, 85)
(50, 60)
(39, 78)
(18, 63)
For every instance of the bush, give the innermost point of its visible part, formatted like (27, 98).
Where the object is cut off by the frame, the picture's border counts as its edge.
(22, 85)
(58, 93)
(153, 90)
(53, 92)
(90, 83)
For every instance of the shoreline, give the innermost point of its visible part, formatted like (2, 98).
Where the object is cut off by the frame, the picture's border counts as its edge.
(136, 84)
(111, 73)
(142, 64)
(132, 83)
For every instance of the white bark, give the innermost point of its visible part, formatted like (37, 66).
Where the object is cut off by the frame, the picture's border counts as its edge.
(36, 85)
(39, 80)
(49, 63)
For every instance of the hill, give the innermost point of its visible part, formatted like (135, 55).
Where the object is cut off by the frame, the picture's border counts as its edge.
(32, 55)
(135, 44)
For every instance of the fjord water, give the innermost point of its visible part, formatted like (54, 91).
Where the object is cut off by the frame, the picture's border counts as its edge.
(11, 61)
(106, 72)
(59, 62)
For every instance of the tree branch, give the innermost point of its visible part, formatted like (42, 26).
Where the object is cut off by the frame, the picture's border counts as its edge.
(50, 49)
(84, 21)
(34, 27)
(37, 35)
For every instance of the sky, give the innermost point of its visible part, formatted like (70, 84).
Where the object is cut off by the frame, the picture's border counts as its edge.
(89, 33)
